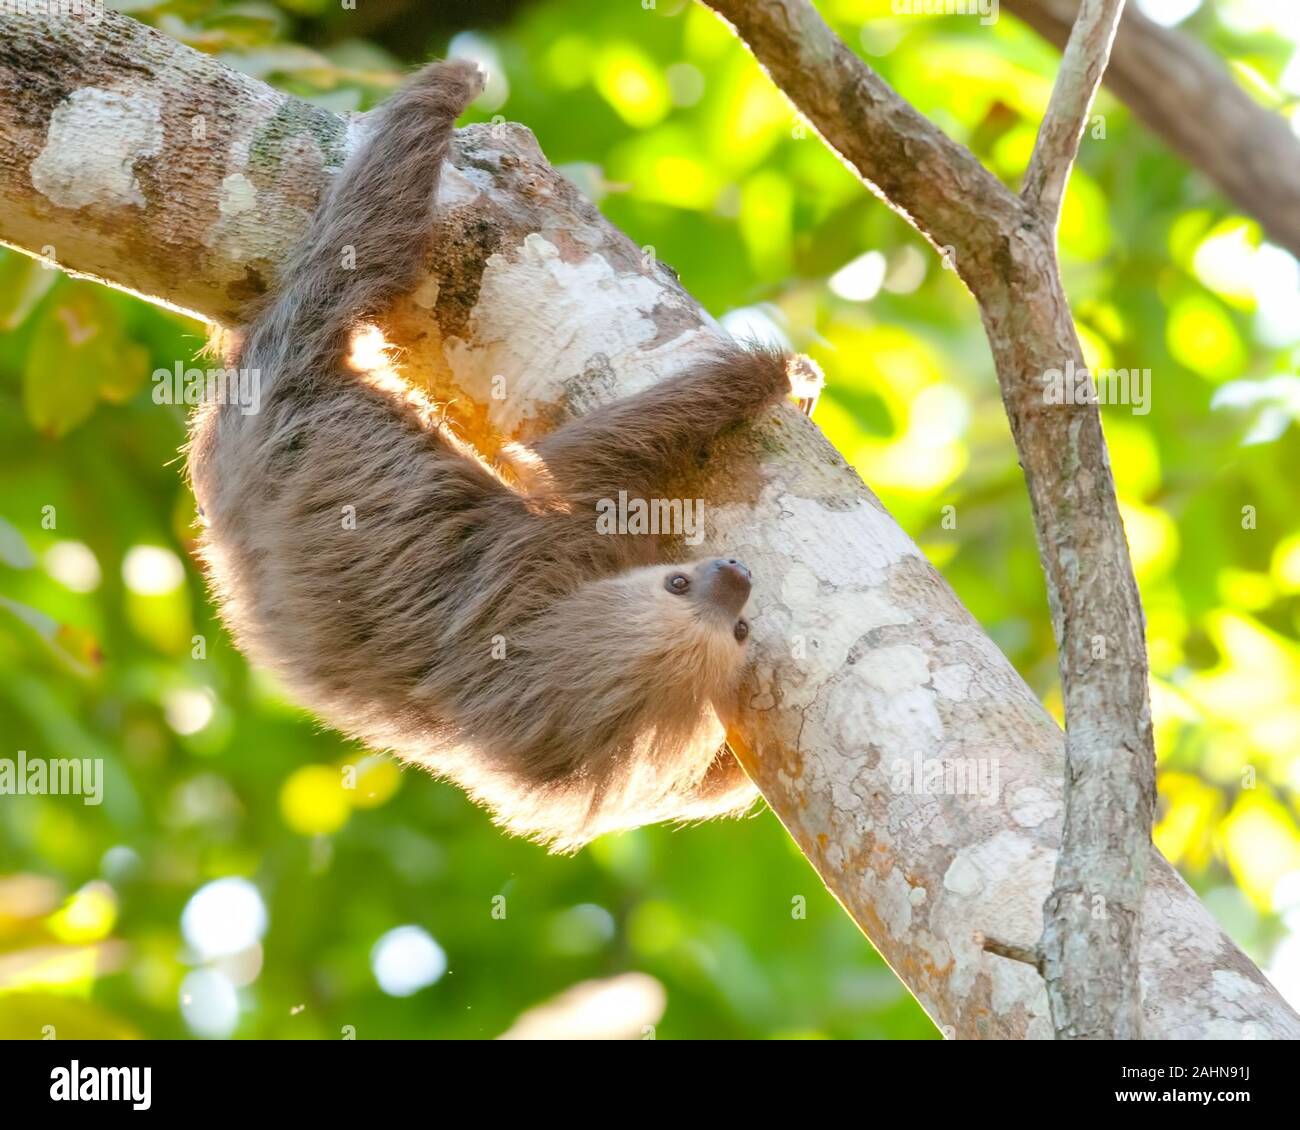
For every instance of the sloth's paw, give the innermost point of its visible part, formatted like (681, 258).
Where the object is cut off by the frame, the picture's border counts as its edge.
(806, 381)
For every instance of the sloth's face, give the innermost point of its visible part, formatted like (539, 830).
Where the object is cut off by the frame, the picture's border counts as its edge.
(717, 588)
(649, 642)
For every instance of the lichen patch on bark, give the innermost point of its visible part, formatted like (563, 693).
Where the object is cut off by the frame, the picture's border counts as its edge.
(95, 137)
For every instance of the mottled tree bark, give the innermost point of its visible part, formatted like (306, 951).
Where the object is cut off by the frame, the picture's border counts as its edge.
(1092, 918)
(1185, 95)
(1003, 246)
(868, 670)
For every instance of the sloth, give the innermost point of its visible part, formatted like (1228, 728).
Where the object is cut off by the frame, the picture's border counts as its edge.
(428, 603)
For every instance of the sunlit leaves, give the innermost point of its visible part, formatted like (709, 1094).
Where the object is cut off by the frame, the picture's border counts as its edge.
(1202, 337)
(632, 84)
(157, 598)
(66, 356)
(13, 547)
(1262, 845)
(41, 1015)
(1286, 564)
(376, 781)
(1266, 407)
(1254, 690)
(23, 283)
(1225, 262)
(78, 352)
(1085, 221)
(72, 645)
(235, 27)
(751, 115)
(317, 800)
(569, 61)
(1152, 539)
(88, 915)
(1134, 456)
(313, 802)
(661, 166)
(924, 449)
(766, 219)
(1191, 808)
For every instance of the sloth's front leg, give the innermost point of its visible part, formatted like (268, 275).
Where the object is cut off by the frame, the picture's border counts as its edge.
(635, 444)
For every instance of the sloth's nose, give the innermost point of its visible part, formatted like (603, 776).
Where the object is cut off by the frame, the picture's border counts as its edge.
(729, 584)
(739, 568)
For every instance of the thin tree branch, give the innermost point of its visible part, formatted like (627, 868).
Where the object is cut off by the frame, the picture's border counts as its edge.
(1014, 951)
(1092, 969)
(1006, 255)
(1186, 96)
(868, 669)
(1082, 66)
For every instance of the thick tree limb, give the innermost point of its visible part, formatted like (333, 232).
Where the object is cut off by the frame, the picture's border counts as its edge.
(1006, 255)
(1185, 95)
(868, 669)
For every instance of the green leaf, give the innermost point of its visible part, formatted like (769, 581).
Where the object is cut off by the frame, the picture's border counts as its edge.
(23, 283)
(13, 547)
(241, 27)
(68, 357)
(75, 647)
(122, 377)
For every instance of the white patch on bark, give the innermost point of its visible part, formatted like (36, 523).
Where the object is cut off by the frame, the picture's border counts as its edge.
(953, 682)
(1232, 986)
(894, 904)
(823, 627)
(255, 218)
(878, 543)
(589, 298)
(1032, 806)
(92, 144)
(894, 682)
(1014, 983)
(358, 129)
(238, 194)
(425, 296)
(460, 187)
(963, 877)
(991, 887)
(798, 585)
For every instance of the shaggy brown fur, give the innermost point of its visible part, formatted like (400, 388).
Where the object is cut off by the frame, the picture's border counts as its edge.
(485, 631)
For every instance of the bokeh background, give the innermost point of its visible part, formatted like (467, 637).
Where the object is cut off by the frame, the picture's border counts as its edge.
(230, 885)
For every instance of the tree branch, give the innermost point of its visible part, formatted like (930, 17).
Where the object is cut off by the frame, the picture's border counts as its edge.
(1015, 951)
(1082, 66)
(1091, 932)
(1007, 258)
(1186, 96)
(868, 672)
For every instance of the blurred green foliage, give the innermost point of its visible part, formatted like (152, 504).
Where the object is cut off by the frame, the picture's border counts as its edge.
(109, 648)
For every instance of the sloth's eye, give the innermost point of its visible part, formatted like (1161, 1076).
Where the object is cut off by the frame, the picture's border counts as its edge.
(742, 631)
(678, 583)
